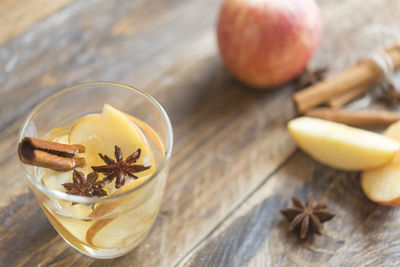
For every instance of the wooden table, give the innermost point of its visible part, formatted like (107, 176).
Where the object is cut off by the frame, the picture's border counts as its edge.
(234, 163)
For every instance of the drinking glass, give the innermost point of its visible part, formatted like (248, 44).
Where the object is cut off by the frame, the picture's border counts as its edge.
(111, 226)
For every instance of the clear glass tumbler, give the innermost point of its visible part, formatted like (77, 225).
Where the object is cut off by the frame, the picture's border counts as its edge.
(106, 227)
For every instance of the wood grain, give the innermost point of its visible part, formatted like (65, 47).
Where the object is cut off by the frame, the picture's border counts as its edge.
(228, 139)
(257, 235)
(16, 16)
(206, 106)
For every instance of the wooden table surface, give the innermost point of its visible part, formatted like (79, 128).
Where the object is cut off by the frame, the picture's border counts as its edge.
(234, 163)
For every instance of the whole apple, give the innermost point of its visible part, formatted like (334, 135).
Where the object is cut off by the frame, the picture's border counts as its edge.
(266, 43)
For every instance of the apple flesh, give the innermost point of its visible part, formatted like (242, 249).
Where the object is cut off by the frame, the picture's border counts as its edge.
(382, 185)
(265, 43)
(340, 146)
(106, 228)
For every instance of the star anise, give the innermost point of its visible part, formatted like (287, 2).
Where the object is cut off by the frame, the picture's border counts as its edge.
(88, 187)
(119, 169)
(309, 77)
(307, 217)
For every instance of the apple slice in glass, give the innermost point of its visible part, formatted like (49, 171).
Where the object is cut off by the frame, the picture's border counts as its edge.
(99, 134)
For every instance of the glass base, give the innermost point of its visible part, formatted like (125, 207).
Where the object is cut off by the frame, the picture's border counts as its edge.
(105, 253)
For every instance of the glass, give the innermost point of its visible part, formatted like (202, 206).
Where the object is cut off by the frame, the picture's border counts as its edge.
(107, 227)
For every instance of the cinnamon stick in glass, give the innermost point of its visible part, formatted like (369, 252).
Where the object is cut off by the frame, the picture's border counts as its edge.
(43, 153)
(365, 72)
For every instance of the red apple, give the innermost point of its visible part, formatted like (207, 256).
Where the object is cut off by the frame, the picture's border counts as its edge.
(266, 43)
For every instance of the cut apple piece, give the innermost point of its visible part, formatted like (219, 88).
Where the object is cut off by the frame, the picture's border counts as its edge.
(135, 215)
(127, 228)
(150, 133)
(393, 131)
(382, 185)
(71, 230)
(121, 232)
(54, 179)
(100, 133)
(340, 146)
(103, 209)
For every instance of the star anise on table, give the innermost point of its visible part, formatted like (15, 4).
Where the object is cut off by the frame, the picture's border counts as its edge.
(310, 77)
(88, 187)
(120, 168)
(307, 217)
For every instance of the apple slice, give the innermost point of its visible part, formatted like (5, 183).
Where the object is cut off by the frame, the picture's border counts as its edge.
(123, 231)
(340, 146)
(99, 134)
(130, 226)
(75, 238)
(50, 178)
(382, 185)
(135, 215)
(393, 131)
(103, 209)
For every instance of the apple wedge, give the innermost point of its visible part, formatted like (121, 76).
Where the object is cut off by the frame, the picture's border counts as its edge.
(130, 226)
(340, 146)
(72, 231)
(99, 134)
(382, 185)
(103, 209)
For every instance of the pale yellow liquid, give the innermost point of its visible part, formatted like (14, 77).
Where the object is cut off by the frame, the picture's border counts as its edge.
(107, 230)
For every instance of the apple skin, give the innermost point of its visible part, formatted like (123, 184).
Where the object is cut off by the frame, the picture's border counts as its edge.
(393, 203)
(380, 175)
(265, 43)
(393, 132)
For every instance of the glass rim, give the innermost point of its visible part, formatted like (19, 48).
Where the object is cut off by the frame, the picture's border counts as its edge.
(83, 199)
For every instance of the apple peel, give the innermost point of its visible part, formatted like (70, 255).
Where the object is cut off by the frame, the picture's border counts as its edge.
(382, 185)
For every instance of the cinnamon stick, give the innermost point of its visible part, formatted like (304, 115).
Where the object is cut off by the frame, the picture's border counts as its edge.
(339, 101)
(392, 95)
(365, 72)
(358, 118)
(43, 153)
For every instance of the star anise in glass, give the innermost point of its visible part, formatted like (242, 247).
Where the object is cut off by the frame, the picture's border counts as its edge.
(310, 77)
(307, 217)
(88, 187)
(120, 168)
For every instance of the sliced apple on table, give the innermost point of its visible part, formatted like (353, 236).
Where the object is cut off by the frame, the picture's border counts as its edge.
(393, 131)
(382, 185)
(340, 146)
